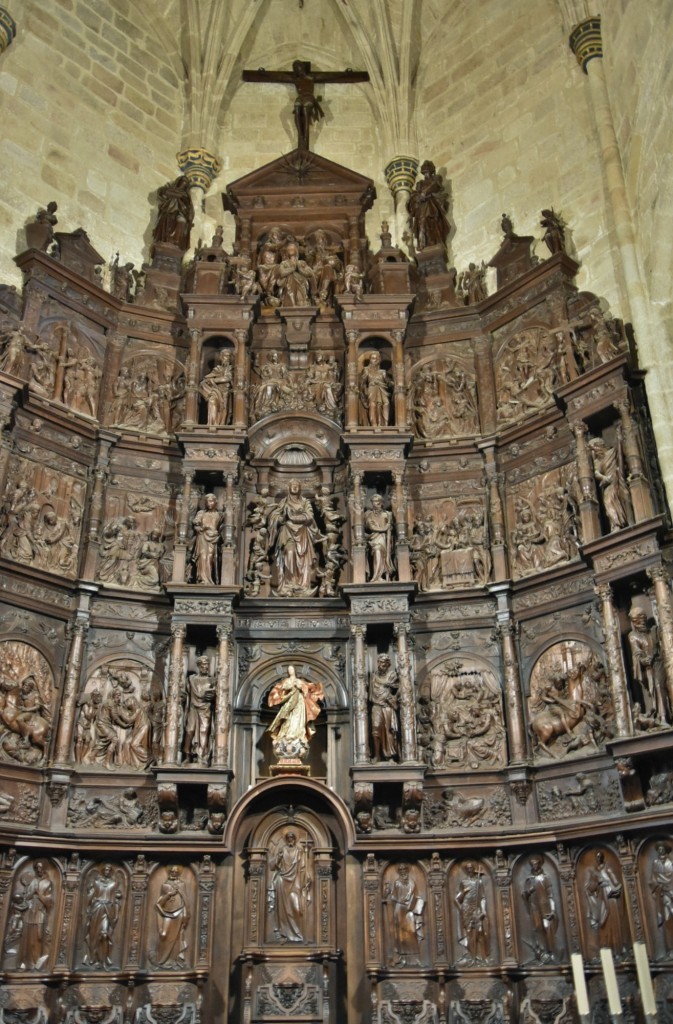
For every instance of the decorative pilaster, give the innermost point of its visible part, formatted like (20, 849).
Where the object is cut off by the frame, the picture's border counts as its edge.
(174, 699)
(138, 896)
(192, 385)
(358, 546)
(664, 603)
(406, 694)
(613, 648)
(180, 552)
(7, 29)
(400, 388)
(360, 696)
(401, 175)
(68, 710)
(567, 875)
(222, 697)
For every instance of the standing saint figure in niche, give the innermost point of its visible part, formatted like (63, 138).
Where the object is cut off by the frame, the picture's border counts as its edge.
(473, 913)
(375, 388)
(104, 896)
(172, 917)
(379, 530)
(407, 918)
(37, 902)
(216, 388)
(538, 896)
(293, 535)
(293, 726)
(605, 908)
(290, 890)
(383, 687)
(206, 526)
(426, 208)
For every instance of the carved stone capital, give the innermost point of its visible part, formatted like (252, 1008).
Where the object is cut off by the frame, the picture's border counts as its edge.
(401, 174)
(586, 41)
(7, 29)
(178, 630)
(199, 166)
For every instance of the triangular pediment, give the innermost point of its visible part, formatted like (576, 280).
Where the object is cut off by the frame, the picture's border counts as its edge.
(300, 171)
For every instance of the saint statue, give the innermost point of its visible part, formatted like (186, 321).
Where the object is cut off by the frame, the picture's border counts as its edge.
(383, 697)
(375, 388)
(293, 535)
(37, 903)
(646, 666)
(661, 887)
(379, 530)
(426, 208)
(538, 896)
(604, 908)
(172, 914)
(216, 388)
(201, 697)
(104, 896)
(206, 526)
(176, 213)
(290, 890)
(473, 913)
(407, 918)
(293, 726)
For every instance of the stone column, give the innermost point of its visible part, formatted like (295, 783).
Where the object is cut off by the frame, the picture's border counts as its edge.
(589, 522)
(400, 176)
(241, 380)
(180, 551)
(516, 726)
(192, 385)
(639, 489)
(662, 597)
(406, 694)
(222, 698)
(68, 709)
(587, 44)
(174, 696)
(612, 642)
(352, 383)
(399, 506)
(360, 738)
(354, 241)
(200, 168)
(358, 541)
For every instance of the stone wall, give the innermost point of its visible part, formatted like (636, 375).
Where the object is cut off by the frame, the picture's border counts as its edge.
(91, 114)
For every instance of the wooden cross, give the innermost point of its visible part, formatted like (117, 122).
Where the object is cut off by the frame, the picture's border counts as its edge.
(307, 109)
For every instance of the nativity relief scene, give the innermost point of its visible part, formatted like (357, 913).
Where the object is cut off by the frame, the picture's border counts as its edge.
(327, 570)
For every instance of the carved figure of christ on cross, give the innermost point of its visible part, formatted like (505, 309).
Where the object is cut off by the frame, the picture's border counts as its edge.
(307, 109)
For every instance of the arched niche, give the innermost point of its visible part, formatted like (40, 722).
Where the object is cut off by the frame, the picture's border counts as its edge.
(171, 918)
(216, 381)
(655, 883)
(253, 939)
(603, 904)
(251, 709)
(404, 909)
(102, 918)
(538, 910)
(472, 910)
(32, 936)
(299, 439)
(375, 376)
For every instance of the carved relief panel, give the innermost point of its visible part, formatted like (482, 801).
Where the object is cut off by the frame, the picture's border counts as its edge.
(404, 910)
(119, 717)
(148, 395)
(570, 707)
(655, 883)
(137, 536)
(42, 517)
(449, 543)
(538, 910)
(460, 717)
(473, 913)
(26, 703)
(526, 373)
(103, 903)
(443, 396)
(544, 526)
(602, 898)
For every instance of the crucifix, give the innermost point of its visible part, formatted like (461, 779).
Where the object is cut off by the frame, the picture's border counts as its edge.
(307, 109)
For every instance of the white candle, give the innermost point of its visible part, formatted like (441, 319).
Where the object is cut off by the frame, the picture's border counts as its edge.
(611, 986)
(645, 979)
(581, 993)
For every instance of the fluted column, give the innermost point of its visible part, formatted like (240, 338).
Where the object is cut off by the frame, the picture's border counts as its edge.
(639, 488)
(174, 697)
(400, 388)
(360, 739)
(612, 642)
(406, 694)
(587, 44)
(589, 522)
(241, 380)
(352, 389)
(662, 596)
(68, 709)
(192, 386)
(223, 697)
(516, 726)
(358, 544)
(400, 176)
